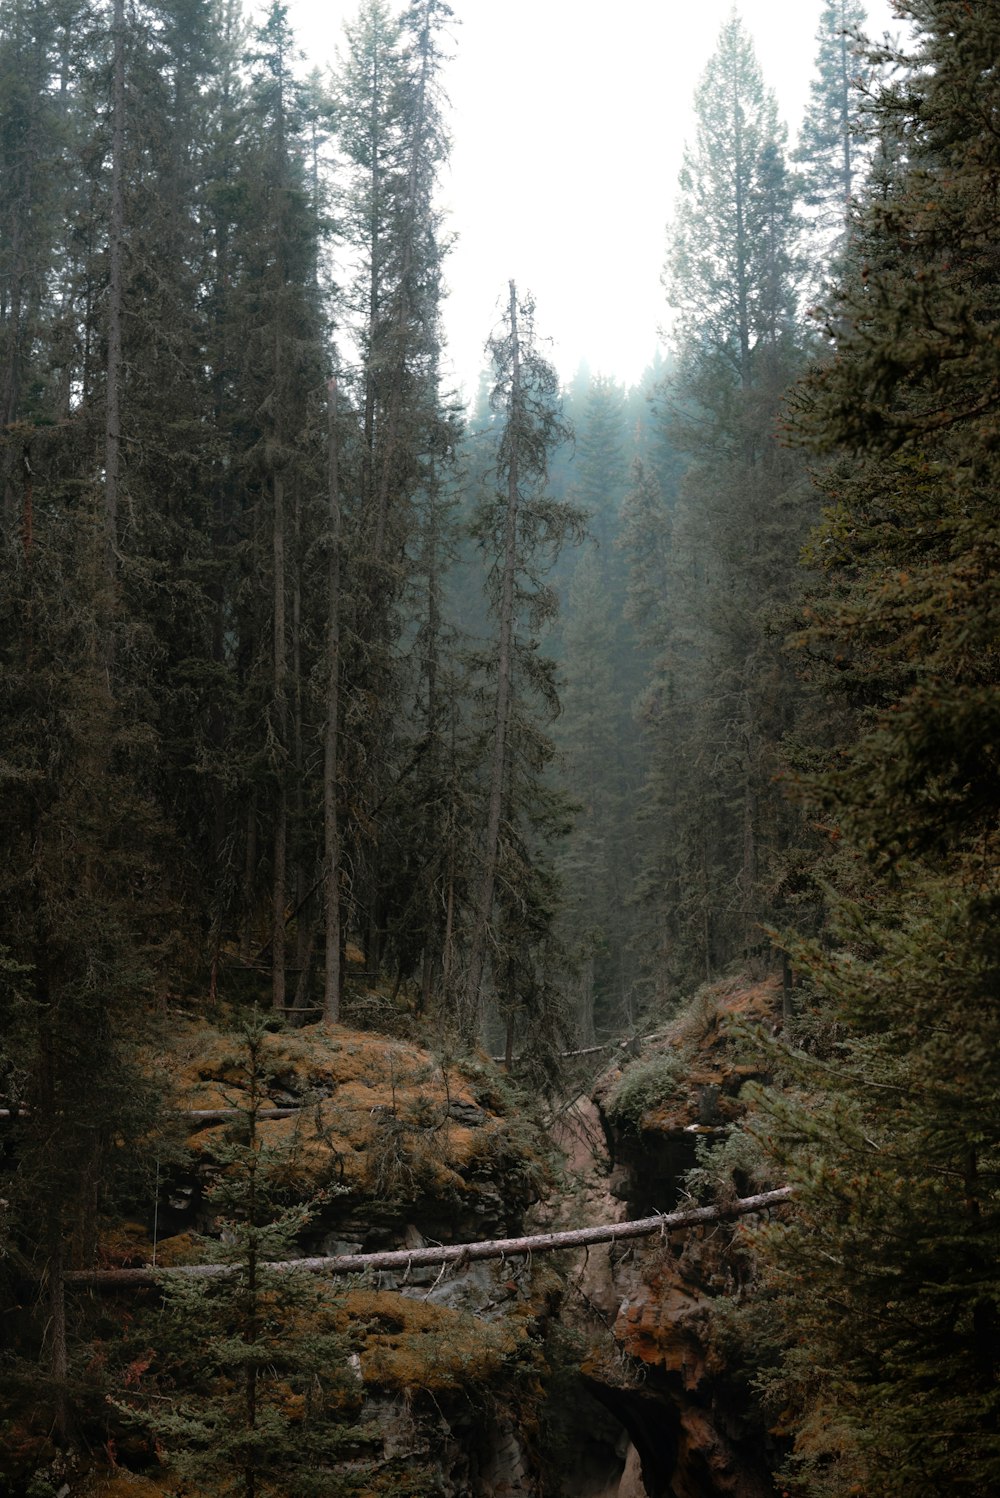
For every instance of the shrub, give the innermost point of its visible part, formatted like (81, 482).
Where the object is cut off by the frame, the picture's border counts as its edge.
(646, 1084)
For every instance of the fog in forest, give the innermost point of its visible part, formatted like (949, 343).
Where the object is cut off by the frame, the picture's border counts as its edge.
(499, 638)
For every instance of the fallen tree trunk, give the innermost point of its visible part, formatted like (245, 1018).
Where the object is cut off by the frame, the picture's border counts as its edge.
(205, 1114)
(587, 1050)
(217, 1114)
(452, 1253)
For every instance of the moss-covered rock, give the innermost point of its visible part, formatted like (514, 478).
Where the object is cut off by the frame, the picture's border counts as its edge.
(381, 1133)
(673, 1119)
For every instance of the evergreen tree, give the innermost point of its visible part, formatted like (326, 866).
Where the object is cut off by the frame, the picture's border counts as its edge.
(887, 1272)
(596, 864)
(393, 144)
(523, 529)
(602, 674)
(831, 148)
(85, 916)
(35, 136)
(263, 1370)
(729, 262)
(719, 711)
(645, 542)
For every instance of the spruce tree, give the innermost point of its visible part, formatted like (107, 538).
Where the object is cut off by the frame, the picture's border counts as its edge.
(887, 1271)
(831, 148)
(600, 765)
(719, 714)
(249, 1388)
(392, 145)
(523, 529)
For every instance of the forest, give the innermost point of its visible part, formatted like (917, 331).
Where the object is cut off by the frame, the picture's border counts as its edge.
(351, 738)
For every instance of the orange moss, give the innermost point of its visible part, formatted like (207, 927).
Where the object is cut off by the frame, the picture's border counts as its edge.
(406, 1344)
(651, 1325)
(127, 1245)
(699, 1038)
(181, 1248)
(375, 1112)
(123, 1484)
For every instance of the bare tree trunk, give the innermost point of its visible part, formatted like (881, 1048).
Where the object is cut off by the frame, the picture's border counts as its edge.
(434, 833)
(448, 950)
(847, 165)
(54, 1206)
(787, 989)
(10, 379)
(58, 1355)
(374, 249)
(331, 828)
(505, 671)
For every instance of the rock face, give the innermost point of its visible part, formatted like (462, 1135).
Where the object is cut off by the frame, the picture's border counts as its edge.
(470, 1383)
(446, 1376)
(652, 1362)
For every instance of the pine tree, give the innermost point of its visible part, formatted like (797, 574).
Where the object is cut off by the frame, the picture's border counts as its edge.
(728, 271)
(34, 138)
(595, 865)
(280, 447)
(84, 914)
(88, 903)
(602, 671)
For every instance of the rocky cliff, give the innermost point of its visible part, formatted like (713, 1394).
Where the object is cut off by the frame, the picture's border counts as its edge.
(585, 1375)
(654, 1360)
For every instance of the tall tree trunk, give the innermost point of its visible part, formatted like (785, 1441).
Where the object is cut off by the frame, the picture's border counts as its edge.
(505, 671)
(10, 379)
(300, 876)
(434, 835)
(58, 1354)
(375, 252)
(280, 682)
(847, 166)
(331, 828)
(249, 880)
(742, 248)
(116, 241)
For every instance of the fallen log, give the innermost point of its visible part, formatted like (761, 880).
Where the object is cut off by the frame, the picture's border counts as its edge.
(218, 1114)
(452, 1253)
(205, 1114)
(587, 1050)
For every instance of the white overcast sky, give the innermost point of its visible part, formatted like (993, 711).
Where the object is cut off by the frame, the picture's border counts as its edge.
(568, 119)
